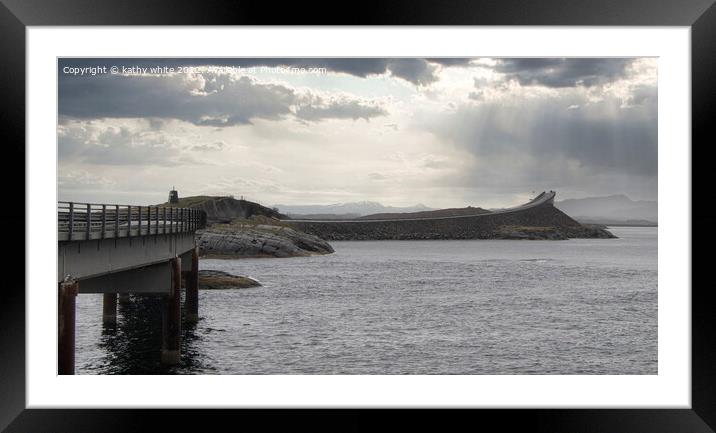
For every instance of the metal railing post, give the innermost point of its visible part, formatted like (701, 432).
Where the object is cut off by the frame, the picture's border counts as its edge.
(89, 220)
(72, 219)
(116, 221)
(129, 221)
(139, 209)
(104, 219)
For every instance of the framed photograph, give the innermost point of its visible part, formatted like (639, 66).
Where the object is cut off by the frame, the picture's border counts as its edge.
(480, 209)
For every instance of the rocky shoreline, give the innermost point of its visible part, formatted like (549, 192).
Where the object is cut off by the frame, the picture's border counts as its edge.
(258, 237)
(551, 233)
(501, 233)
(544, 222)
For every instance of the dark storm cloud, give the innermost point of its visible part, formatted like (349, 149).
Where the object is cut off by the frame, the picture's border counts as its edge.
(563, 72)
(416, 71)
(451, 61)
(601, 137)
(153, 96)
(208, 99)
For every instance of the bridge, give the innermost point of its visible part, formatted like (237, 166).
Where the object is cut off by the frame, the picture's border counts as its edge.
(542, 198)
(116, 250)
(538, 212)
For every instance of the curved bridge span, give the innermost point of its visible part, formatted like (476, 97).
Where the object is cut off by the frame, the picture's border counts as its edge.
(538, 213)
(542, 198)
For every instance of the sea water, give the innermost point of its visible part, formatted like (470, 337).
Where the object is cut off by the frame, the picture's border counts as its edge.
(582, 306)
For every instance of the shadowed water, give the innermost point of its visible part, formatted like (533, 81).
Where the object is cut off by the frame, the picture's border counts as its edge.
(583, 306)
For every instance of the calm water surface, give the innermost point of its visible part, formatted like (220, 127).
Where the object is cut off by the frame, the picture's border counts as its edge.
(583, 306)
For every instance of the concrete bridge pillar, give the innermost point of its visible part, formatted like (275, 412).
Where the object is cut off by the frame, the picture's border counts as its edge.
(109, 309)
(192, 288)
(67, 297)
(171, 317)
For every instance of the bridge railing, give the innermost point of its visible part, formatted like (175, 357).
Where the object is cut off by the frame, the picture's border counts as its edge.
(86, 221)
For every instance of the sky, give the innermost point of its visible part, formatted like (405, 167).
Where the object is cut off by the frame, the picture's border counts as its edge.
(443, 132)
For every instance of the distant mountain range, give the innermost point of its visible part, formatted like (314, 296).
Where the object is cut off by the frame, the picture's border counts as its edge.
(610, 209)
(345, 210)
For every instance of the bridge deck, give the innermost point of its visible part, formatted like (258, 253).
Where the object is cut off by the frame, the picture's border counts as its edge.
(543, 197)
(89, 221)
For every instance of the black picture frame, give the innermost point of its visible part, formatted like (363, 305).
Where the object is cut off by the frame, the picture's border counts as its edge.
(16, 15)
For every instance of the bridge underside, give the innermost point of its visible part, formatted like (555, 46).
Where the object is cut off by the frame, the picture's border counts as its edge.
(145, 280)
(97, 259)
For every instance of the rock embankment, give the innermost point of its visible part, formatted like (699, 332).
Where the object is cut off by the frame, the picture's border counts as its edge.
(251, 239)
(220, 280)
(550, 233)
(539, 222)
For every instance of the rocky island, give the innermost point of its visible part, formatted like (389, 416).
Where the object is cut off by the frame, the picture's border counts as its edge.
(258, 237)
(220, 280)
(241, 228)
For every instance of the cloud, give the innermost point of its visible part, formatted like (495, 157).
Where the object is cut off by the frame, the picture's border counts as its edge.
(209, 147)
(252, 187)
(415, 70)
(77, 179)
(643, 96)
(477, 95)
(551, 72)
(341, 108)
(206, 99)
(602, 137)
(434, 161)
(489, 129)
(451, 61)
(115, 146)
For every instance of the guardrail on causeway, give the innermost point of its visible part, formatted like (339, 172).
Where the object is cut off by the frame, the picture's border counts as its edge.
(86, 221)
